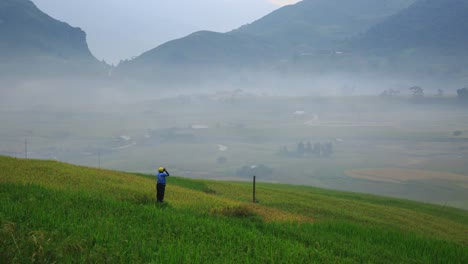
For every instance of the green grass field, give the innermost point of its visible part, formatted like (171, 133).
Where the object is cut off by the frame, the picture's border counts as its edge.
(55, 212)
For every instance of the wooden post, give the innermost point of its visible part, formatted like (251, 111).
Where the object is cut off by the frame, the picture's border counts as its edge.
(254, 201)
(26, 148)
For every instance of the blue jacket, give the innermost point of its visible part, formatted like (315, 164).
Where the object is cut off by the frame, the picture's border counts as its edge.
(162, 177)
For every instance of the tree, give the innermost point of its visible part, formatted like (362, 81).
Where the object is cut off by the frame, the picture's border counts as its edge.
(417, 91)
(317, 149)
(327, 149)
(283, 151)
(463, 94)
(308, 148)
(221, 160)
(300, 148)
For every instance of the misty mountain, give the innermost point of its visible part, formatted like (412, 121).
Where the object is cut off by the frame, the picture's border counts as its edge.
(428, 37)
(308, 26)
(202, 49)
(321, 24)
(427, 25)
(131, 29)
(34, 43)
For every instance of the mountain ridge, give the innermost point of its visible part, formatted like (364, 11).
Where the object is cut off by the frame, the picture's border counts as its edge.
(426, 39)
(32, 42)
(322, 23)
(270, 42)
(427, 24)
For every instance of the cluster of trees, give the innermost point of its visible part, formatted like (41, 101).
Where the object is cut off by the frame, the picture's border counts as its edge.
(418, 93)
(308, 149)
(390, 93)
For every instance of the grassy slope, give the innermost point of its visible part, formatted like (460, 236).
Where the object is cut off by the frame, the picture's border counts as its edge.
(52, 211)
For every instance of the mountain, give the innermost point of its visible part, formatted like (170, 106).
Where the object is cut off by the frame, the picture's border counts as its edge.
(32, 42)
(308, 26)
(201, 50)
(321, 24)
(429, 25)
(428, 37)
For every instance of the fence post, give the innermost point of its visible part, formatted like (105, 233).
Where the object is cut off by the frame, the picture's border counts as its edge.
(25, 148)
(254, 201)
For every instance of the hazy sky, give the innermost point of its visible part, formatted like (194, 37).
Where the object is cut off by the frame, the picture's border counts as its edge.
(122, 29)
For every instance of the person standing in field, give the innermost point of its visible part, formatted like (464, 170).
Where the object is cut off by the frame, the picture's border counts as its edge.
(161, 184)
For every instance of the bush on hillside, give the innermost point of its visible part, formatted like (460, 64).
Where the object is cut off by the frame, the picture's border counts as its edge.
(240, 211)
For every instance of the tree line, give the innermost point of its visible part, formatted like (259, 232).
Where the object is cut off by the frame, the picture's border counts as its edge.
(318, 149)
(417, 92)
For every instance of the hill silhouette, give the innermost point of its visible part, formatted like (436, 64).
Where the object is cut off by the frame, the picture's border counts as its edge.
(308, 26)
(398, 38)
(33, 43)
(426, 26)
(319, 24)
(429, 37)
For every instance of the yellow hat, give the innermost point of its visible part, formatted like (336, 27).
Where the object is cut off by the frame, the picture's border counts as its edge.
(161, 169)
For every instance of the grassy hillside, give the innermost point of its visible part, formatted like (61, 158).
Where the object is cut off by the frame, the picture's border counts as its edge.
(55, 212)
